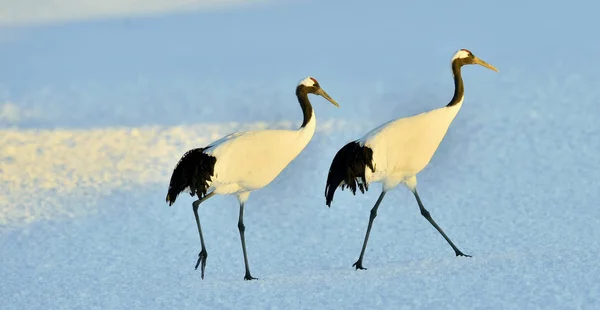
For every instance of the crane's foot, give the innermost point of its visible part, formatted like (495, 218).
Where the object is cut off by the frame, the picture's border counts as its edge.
(359, 265)
(459, 253)
(202, 261)
(248, 277)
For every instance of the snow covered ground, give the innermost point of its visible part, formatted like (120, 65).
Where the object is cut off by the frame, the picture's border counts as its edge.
(94, 115)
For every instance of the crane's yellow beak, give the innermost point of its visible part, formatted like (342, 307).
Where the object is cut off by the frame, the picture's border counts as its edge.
(485, 64)
(324, 94)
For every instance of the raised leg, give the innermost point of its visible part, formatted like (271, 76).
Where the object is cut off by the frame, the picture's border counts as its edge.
(358, 263)
(203, 255)
(242, 229)
(427, 216)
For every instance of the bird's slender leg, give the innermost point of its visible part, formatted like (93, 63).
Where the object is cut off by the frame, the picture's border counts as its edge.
(427, 216)
(358, 263)
(203, 255)
(242, 229)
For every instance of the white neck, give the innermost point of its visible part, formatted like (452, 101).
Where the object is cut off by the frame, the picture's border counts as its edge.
(309, 129)
(304, 134)
(453, 110)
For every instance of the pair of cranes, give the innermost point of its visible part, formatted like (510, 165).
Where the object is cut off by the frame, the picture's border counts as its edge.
(392, 154)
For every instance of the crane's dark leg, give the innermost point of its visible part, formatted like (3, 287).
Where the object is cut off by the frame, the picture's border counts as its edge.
(242, 229)
(427, 216)
(358, 263)
(202, 256)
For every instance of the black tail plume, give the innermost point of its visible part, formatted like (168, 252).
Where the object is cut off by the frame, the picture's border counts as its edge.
(348, 169)
(195, 169)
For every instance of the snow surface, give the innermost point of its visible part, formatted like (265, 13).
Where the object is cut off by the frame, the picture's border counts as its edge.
(93, 117)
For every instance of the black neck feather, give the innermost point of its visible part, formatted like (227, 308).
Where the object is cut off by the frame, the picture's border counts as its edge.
(459, 88)
(307, 109)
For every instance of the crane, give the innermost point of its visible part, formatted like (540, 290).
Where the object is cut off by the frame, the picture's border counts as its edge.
(396, 151)
(241, 163)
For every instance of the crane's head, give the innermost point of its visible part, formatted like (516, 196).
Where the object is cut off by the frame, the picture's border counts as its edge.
(311, 86)
(465, 57)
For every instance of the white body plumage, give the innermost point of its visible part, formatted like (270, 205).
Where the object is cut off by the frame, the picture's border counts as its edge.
(404, 147)
(250, 160)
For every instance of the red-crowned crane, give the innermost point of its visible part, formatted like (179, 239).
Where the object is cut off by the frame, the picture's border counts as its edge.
(243, 162)
(396, 151)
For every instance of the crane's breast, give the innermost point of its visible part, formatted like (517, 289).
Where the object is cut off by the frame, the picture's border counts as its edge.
(254, 159)
(405, 146)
